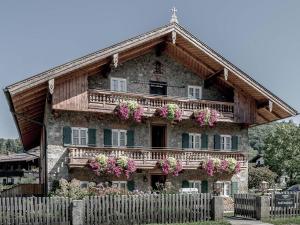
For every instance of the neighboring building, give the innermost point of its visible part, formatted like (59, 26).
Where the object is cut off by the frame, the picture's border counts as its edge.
(257, 160)
(19, 167)
(69, 110)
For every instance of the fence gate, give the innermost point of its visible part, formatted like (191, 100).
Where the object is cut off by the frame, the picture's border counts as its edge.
(147, 208)
(245, 205)
(34, 211)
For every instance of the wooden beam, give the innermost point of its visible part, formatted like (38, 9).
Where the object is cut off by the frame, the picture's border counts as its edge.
(210, 80)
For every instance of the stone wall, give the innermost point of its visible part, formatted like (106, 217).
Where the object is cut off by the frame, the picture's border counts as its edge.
(140, 71)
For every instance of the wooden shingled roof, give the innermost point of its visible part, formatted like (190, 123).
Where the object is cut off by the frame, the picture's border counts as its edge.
(27, 97)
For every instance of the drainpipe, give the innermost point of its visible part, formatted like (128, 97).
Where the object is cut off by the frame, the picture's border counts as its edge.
(44, 130)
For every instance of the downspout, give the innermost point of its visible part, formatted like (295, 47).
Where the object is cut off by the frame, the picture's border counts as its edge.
(44, 130)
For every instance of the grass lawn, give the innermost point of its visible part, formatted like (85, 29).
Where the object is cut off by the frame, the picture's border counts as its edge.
(284, 221)
(202, 223)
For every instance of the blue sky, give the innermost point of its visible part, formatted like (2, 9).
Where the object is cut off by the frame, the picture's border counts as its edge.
(262, 37)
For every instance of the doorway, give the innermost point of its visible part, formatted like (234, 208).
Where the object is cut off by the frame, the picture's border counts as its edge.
(158, 181)
(158, 136)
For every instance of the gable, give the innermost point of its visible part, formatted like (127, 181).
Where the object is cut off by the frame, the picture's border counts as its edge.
(27, 98)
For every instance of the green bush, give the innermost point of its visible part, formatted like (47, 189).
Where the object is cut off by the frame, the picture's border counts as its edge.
(259, 174)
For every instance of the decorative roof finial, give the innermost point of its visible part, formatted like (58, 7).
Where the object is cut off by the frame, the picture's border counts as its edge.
(174, 17)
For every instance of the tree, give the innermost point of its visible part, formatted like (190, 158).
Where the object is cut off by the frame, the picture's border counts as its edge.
(282, 150)
(10, 145)
(259, 174)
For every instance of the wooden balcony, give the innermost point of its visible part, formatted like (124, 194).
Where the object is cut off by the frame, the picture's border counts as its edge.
(106, 101)
(147, 158)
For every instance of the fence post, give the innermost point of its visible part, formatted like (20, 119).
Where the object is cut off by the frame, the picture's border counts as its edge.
(217, 208)
(77, 209)
(262, 207)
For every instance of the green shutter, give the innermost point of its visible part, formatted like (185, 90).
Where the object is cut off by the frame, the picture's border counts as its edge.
(185, 184)
(91, 137)
(204, 141)
(204, 186)
(185, 140)
(234, 188)
(67, 135)
(217, 142)
(130, 138)
(130, 185)
(107, 138)
(234, 143)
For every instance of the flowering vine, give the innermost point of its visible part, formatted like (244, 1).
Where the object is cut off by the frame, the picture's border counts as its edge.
(170, 112)
(207, 117)
(215, 166)
(170, 165)
(112, 165)
(129, 109)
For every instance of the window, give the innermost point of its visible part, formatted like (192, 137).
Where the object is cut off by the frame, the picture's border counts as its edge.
(84, 184)
(4, 181)
(119, 138)
(79, 136)
(195, 184)
(120, 184)
(195, 92)
(195, 141)
(118, 84)
(226, 188)
(225, 142)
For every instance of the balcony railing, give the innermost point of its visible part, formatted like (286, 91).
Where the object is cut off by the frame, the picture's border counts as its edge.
(147, 158)
(106, 101)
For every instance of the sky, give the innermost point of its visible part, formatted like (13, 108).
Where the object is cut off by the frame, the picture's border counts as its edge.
(262, 37)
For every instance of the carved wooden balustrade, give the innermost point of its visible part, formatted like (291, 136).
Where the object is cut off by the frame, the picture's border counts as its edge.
(106, 101)
(147, 158)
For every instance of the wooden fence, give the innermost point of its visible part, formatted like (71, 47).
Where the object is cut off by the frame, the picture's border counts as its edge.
(285, 211)
(34, 210)
(148, 208)
(23, 190)
(245, 205)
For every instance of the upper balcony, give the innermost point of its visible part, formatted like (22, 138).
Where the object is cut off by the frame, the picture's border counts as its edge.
(147, 158)
(106, 101)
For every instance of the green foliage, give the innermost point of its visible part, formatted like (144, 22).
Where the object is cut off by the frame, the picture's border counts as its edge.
(282, 150)
(70, 190)
(259, 174)
(10, 145)
(283, 221)
(202, 223)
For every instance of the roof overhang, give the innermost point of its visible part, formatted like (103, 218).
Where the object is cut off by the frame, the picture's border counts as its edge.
(27, 97)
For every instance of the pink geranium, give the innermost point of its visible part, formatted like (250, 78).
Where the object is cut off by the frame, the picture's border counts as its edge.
(215, 166)
(129, 109)
(170, 165)
(171, 112)
(206, 117)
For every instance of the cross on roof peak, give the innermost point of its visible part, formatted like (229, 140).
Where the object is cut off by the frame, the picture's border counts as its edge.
(174, 17)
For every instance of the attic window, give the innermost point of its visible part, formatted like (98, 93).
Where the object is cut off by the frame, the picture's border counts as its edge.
(158, 67)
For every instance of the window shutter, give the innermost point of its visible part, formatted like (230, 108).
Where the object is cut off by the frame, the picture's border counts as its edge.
(107, 138)
(67, 135)
(234, 188)
(91, 137)
(204, 186)
(204, 141)
(234, 143)
(185, 184)
(130, 185)
(217, 142)
(130, 138)
(185, 140)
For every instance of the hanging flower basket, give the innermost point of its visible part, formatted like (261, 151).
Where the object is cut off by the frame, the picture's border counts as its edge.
(208, 117)
(217, 167)
(129, 109)
(170, 166)
(112, 165)
(171, 112)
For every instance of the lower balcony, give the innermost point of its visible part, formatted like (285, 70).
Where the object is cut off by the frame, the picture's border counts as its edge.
(147, 158)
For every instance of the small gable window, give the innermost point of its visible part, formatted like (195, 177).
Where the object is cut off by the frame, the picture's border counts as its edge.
(118, 84)
(194, 92)
(79, 136)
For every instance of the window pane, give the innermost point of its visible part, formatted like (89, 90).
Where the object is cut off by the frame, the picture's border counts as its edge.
(75, 140)
(122, 85)
(191, 141)
(122, 138)
(197, 93)
(115, 85)
(75, 133)
(197, 141)
(115, 138)
(191, 92)
(123, 185)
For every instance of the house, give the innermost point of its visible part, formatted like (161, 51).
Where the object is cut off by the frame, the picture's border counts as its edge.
(19, 167)
(258, 160)
(70, 112)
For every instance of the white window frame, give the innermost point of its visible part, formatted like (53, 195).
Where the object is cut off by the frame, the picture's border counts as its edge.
(192, 138)
(228, 185)
(224, 145)
(119, 184)
(119, 84)
(119, 139)
(194, 92)
(79, 135)
(193, 184)
(83, 184)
